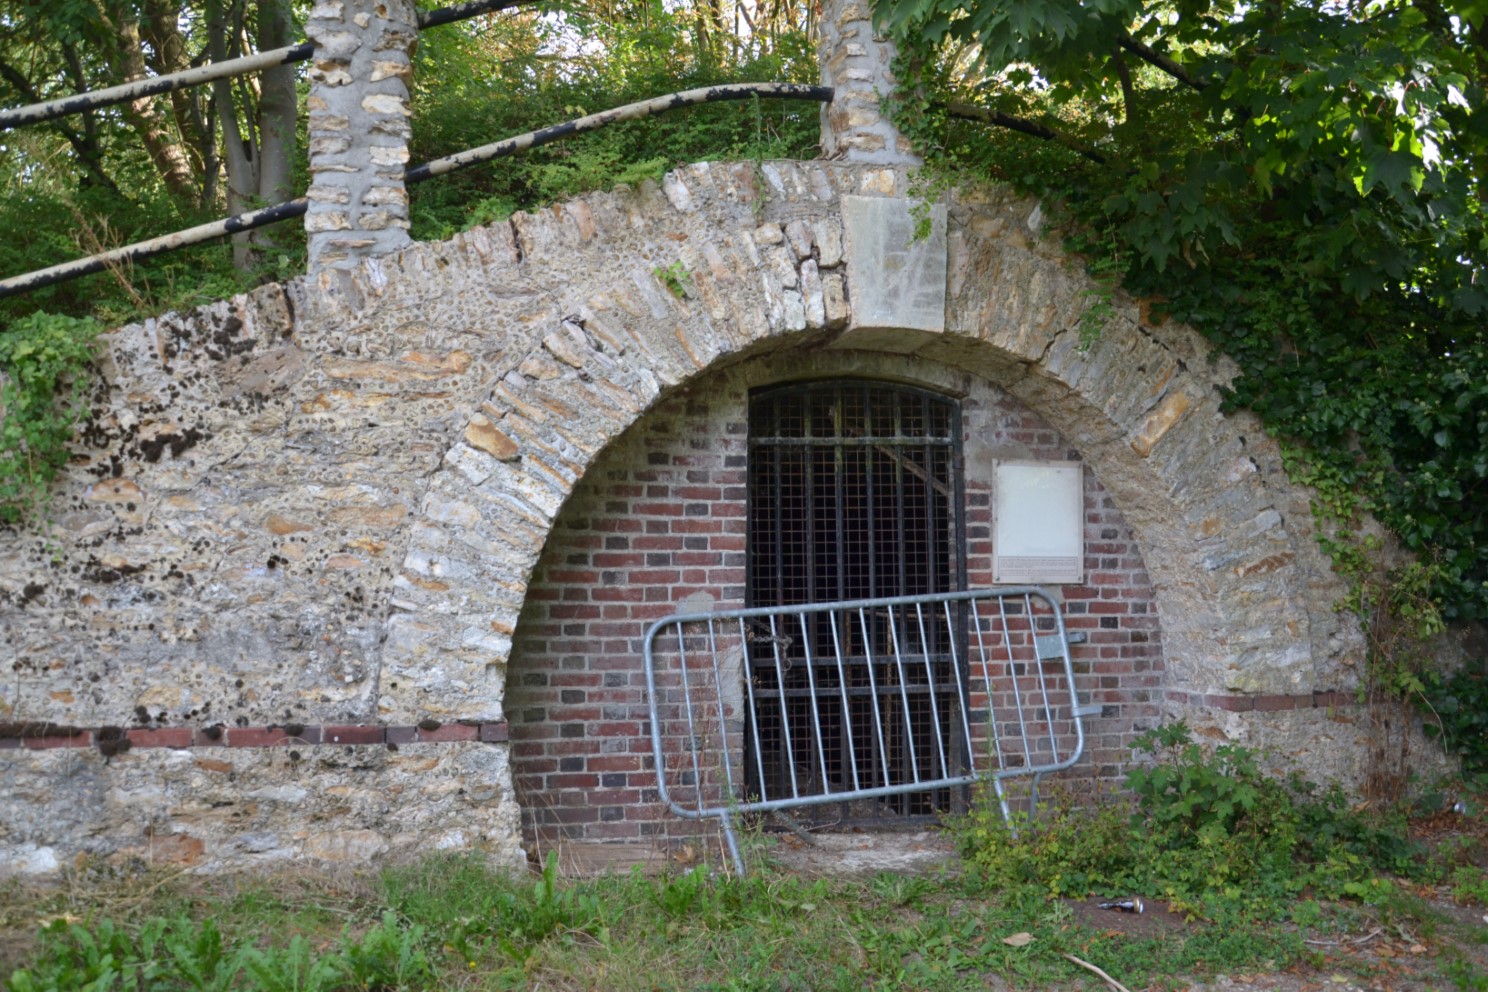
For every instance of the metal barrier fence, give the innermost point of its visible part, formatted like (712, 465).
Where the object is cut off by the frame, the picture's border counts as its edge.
(877, 704)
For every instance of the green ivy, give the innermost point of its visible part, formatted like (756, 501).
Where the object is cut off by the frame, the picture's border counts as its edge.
(1460, 709)
(44, 361)
(1270, 209)
(1264, 175)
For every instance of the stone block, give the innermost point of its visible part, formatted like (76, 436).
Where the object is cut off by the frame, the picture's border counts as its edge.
(897, 282)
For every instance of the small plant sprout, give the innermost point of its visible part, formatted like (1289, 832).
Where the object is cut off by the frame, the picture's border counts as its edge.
(676, 278)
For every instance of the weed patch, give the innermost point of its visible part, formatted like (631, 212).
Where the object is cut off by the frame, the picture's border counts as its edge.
(452, 922)
(1210, 834)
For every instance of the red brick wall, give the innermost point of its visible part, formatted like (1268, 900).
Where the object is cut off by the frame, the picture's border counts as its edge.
(661, 517)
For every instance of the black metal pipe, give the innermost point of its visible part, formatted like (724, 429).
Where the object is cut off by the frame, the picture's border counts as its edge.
(630, 111)
(67, 271)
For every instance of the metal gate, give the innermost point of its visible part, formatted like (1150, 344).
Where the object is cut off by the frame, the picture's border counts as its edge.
(870, 700)
(854, 492)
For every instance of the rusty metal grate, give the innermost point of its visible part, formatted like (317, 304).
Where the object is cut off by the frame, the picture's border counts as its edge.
(854, 493)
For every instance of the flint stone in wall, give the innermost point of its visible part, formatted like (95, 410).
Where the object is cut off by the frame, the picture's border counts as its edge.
(366, 93)
(237, 808)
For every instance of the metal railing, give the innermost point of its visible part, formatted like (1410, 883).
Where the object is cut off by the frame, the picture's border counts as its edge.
(228, 68)
(859, 702)
(298, 207)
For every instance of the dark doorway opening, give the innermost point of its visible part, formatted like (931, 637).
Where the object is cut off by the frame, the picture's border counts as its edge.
(855, 492)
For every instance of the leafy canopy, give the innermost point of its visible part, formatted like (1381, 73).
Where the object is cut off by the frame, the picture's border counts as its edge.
(1303, 180)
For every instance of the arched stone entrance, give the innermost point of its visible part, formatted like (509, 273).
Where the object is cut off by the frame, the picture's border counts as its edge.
(657, 525)
(311, 515)
(1245, 593)
(1245, 596)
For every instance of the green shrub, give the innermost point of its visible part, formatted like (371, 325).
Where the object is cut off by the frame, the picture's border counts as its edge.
(1459, 705)
(1209, 832)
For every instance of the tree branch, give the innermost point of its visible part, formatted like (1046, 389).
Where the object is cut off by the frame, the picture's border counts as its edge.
(87, 152)
(970, 112)
(1161, 61)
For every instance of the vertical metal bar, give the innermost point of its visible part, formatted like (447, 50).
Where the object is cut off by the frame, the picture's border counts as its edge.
(1038, 664)
(808, 500)
(945, 767)
(1069, 678)
(871, 493)
(733, 842)
(839, 456)
(790, 751)
(852, 755)
(759, 752)
(991, 696)
(728, 754)
(1007, 640)
(900, 558)
(963, 691)
(781, 544)
(692, 741)
(883, 752)
(821, 750)
(1007, 814)
(932, 574)
(778, 546)
(914, 764)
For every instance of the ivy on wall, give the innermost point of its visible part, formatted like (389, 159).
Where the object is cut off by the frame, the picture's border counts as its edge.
(44, 361)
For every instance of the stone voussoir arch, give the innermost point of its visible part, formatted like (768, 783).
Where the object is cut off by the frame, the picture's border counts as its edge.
(612, 300)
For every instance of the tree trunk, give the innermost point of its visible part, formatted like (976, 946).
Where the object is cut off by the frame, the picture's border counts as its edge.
(127, 64)
(160, 28)
(242, 180)
(278, 110)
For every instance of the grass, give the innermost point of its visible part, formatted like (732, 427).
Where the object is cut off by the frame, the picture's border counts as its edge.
(1259, 876)
(449, 922)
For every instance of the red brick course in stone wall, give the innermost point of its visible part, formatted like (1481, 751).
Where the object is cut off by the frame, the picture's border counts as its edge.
(661, 517)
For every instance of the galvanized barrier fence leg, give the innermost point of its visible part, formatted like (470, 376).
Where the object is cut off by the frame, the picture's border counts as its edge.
(733, 842)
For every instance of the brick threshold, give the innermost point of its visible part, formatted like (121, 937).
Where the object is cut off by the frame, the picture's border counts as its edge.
(40, 735)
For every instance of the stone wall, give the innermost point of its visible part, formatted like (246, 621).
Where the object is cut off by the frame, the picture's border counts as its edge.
(308, 516)
(358, 113)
